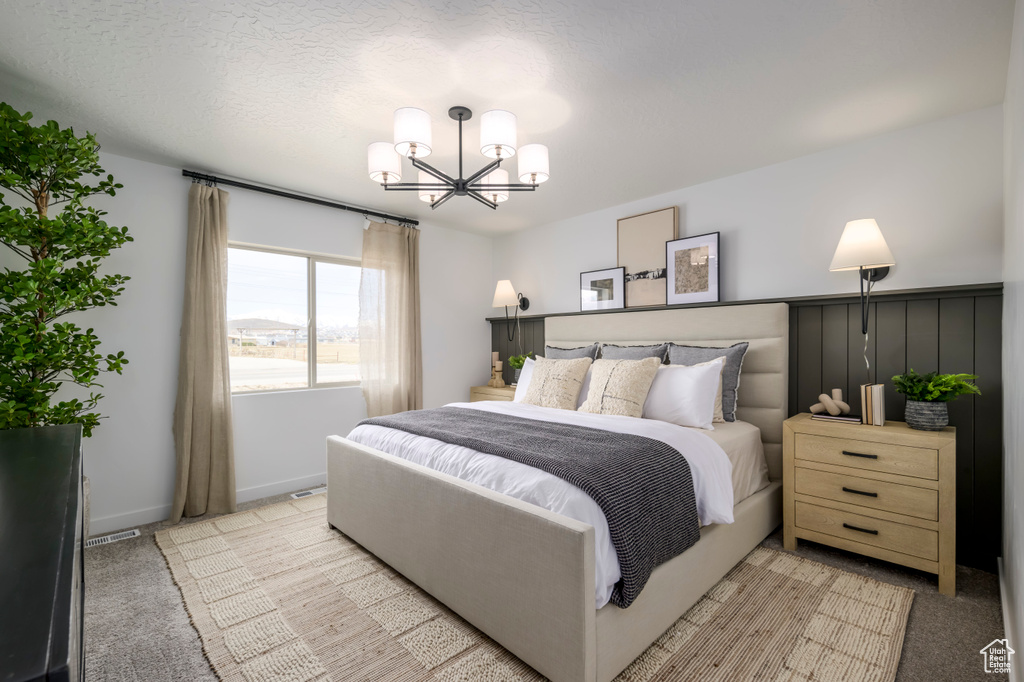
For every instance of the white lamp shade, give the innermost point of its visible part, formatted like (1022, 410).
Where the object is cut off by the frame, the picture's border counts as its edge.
(862, 246)
(384, 164)
(498, 134)
(498, 176)
(505, 294)
(533, 164)
(412, 132)
(433, 194)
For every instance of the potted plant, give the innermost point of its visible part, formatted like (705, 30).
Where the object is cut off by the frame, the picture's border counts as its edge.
(516, 362)
(927, 395)
(46, 174)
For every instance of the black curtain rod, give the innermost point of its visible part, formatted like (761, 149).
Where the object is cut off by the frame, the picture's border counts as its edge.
(203, 177)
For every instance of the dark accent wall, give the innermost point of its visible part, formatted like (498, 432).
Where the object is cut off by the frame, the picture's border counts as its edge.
(948, 329)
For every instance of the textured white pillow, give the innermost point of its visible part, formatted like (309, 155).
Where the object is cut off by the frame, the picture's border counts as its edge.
(556, 383)
(527, 373)
(620, 386)
(524, 380)
(685, 394)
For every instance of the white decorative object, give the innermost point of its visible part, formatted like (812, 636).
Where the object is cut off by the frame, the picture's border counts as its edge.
(834, 405)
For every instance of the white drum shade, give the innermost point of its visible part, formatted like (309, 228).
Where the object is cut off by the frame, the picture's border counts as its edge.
(433, 194)
(862, 246)
(498, 134)
(412, 132)
(498, 176)
(385, 165)
(533, 164)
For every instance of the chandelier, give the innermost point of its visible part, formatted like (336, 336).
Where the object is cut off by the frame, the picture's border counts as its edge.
(489, 185)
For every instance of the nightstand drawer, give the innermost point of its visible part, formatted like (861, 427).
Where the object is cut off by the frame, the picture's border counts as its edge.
(868, 530)
(859, 454)
(506, 393)
(901, 499)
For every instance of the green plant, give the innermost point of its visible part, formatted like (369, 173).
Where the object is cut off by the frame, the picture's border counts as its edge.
(934, 387)
(48, 167)
(517, 361)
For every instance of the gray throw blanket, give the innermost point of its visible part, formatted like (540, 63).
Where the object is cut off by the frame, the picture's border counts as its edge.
(643, 486)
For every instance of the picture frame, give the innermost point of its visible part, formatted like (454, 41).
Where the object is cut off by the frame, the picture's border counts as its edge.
(640, 250)
(693, 269)
(603, 289)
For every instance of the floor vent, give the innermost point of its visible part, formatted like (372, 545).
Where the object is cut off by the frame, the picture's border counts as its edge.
(307, 493)
(114, 537)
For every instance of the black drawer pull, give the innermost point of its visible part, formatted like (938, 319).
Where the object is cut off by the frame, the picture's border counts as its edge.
(862, 530)
(859, 454)
(859, 492)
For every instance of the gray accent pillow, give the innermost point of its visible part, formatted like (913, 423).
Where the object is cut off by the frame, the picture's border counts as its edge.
(610, 351)
(552, 353)
(694, 355)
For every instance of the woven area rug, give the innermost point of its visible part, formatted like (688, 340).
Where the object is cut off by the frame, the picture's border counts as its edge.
(278, 596)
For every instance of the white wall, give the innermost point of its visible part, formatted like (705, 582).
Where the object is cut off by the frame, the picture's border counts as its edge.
(279, 437)
(1013, 341)
(935, 190)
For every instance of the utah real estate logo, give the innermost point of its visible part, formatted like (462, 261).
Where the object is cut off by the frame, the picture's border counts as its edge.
(997, 656)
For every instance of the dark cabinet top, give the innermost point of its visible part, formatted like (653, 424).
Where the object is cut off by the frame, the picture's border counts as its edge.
(40, 474)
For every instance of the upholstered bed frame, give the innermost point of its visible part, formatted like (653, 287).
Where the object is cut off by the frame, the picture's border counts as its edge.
(524, 575)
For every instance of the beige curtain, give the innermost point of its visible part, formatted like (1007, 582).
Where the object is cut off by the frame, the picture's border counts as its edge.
(390, 359)
(205, 481)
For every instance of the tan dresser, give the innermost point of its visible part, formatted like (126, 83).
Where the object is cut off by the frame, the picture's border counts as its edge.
(888, 492)
(490, 393)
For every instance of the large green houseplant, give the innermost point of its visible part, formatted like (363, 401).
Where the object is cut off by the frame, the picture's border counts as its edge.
(46, 174)
(928, 395)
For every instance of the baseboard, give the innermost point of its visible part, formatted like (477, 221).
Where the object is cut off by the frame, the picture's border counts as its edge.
(281, 487)
(1011, 636)
(140, 517)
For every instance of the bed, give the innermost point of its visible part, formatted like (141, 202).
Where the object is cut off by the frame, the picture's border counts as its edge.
(526, 576)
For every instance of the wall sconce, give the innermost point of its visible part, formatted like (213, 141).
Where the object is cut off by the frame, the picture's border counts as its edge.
(505, 295)
(862, 247)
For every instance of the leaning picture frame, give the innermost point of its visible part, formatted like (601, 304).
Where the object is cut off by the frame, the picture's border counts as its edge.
(603, 289)
(693, 269)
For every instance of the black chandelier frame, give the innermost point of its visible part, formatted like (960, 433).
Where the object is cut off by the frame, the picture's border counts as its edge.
(458, 187)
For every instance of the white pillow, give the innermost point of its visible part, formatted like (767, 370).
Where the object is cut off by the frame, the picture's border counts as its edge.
(527, 373)
(524, 381)
(685, 394)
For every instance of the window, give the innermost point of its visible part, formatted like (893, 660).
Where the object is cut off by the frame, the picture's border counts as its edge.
(277, 302)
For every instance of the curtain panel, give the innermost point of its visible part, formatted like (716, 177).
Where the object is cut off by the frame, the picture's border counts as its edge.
(205, 480)
(390, 357)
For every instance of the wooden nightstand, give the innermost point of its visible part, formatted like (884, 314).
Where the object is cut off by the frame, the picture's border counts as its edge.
(887, 492)
(490, 393)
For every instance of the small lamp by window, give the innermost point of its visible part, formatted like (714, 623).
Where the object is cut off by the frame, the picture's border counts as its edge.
(505, 295)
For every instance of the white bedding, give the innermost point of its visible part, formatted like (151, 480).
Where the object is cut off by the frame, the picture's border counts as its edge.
(710, 467)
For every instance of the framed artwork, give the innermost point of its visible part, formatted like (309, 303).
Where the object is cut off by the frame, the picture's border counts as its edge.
(641, 251)
(693, 269)
(602, 289)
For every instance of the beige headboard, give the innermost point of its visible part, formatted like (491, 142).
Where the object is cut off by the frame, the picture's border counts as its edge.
(764, 381)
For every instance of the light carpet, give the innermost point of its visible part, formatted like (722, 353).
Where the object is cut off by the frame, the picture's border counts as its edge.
(278, 596)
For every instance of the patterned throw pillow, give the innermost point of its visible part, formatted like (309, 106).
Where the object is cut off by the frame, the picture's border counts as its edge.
(620, 386)
(556, 383)
(552, 353)
(610, 351)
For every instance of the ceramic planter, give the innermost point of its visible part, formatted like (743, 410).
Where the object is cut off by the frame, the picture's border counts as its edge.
(926, 416)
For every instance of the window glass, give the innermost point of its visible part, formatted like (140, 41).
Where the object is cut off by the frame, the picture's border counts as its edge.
(268, 320)
(337, 322)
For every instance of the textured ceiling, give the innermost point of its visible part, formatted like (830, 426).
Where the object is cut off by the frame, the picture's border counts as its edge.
(632, 98)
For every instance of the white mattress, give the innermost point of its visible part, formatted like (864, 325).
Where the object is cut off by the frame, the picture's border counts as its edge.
(727, 465)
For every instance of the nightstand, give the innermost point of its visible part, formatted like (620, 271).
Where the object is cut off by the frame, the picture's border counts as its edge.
(506, 393)
(887, 492)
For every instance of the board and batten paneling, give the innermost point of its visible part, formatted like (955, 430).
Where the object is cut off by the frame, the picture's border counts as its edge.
(950, 330)
(528, 337)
